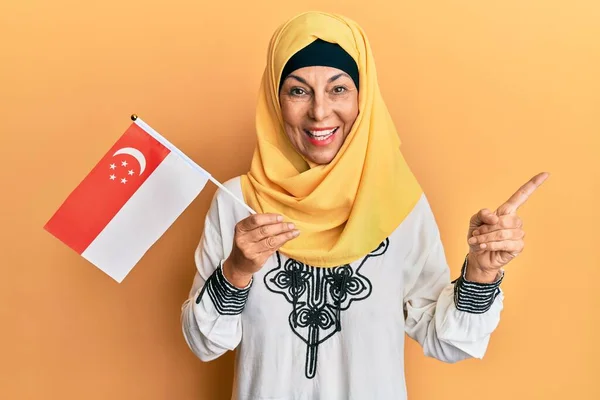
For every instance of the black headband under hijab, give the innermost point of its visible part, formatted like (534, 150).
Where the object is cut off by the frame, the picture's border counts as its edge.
(321, 53)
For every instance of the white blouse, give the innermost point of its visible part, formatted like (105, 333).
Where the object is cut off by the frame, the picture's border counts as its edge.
(303, 332)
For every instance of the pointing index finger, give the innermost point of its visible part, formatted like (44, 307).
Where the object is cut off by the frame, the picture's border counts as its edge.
(520, 196)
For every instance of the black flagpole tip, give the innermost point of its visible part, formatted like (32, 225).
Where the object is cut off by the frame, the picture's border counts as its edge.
(133, 117)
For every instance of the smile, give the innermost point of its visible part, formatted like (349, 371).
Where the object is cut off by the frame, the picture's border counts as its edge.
(321, 137)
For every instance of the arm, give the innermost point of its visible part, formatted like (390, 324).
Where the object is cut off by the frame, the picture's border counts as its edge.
(452, 321)
(233, 247)
(211, 316)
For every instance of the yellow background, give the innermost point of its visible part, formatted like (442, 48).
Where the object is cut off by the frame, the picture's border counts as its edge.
(485, 94)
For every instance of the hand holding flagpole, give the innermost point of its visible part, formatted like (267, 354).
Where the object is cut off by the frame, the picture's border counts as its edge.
(255, 238)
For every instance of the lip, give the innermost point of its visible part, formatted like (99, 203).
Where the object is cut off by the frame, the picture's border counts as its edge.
(325, 142)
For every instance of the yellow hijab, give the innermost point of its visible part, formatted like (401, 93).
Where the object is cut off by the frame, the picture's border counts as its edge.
(346, 208)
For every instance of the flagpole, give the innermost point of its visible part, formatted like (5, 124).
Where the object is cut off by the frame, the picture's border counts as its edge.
(168, 144)
(216, 182)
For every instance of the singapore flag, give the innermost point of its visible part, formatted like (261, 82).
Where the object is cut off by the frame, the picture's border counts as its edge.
(128, 200)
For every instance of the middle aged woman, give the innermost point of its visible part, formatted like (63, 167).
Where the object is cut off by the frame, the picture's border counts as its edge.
(344, 255)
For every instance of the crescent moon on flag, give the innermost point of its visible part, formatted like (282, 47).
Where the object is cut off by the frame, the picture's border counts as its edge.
(135, 153)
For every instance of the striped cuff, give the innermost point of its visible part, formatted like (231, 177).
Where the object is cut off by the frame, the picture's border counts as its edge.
(228, 299)
(474, 297)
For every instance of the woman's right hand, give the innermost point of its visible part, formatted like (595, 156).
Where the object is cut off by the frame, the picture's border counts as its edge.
(256, 238)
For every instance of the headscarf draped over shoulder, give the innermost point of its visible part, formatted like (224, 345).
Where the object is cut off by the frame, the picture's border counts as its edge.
(344, 209)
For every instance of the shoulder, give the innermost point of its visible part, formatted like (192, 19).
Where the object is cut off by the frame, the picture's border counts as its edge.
(225, 211)
(233, 186)
(419, 225)
(415, 238)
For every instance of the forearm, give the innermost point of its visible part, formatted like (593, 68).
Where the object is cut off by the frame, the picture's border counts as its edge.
(211, 317)
(238, 279)
(452, 321)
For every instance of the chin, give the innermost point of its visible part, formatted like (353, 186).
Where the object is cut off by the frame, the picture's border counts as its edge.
(321, 159)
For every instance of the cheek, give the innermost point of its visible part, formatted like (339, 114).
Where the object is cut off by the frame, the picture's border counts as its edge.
(349, 115)
(291, 114)
(292, 119)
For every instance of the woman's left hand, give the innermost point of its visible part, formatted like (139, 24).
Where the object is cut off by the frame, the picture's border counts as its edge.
(495, 238)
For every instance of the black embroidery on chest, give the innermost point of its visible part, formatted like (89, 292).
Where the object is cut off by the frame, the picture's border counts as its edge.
(318, 296)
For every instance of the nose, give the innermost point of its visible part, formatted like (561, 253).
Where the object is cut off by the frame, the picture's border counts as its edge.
(320, 107)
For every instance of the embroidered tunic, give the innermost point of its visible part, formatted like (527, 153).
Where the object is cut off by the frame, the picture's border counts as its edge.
(304, 332)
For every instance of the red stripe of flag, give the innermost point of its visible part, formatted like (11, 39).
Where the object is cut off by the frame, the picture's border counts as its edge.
(106, 189)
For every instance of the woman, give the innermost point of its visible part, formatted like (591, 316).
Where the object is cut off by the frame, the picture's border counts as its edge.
(344, 256)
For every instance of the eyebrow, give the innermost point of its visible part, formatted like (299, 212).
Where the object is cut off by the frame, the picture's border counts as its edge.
(333, 78)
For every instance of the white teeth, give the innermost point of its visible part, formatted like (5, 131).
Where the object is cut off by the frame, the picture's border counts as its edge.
(321, 135)
(320, 138)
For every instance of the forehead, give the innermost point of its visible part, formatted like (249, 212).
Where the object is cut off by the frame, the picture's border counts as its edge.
(317, 72)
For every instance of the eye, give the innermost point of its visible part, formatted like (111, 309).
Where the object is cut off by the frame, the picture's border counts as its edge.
(297, 91)
(339, 89)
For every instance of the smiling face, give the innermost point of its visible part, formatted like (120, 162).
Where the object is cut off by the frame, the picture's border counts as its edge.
(319, 106)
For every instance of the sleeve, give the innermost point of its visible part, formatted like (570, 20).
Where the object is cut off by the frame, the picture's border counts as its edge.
(454, 320)
(211, 316)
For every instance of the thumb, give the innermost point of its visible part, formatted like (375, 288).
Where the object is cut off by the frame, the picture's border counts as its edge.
(484, 216)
